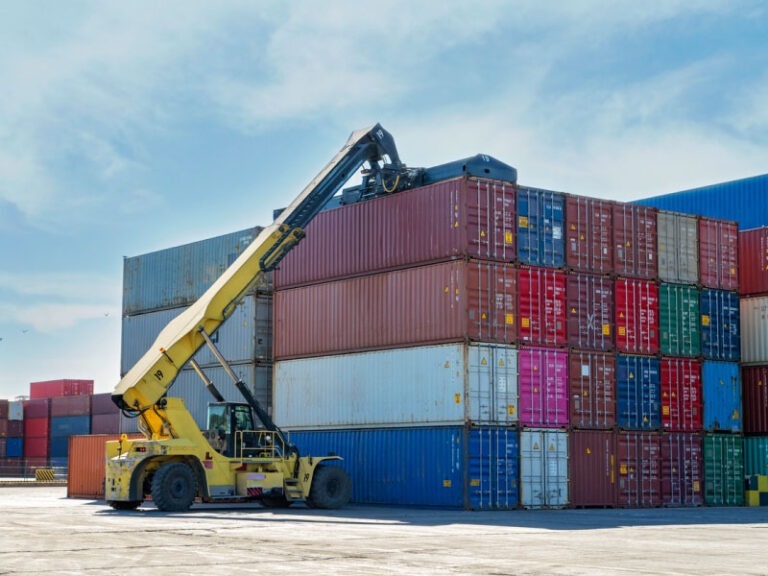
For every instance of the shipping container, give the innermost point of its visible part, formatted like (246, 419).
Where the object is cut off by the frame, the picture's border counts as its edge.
(58, 446)
(3, 428)
(68, 425)
(634, 241)
(3, 447)
(4, 409)
(453, 467)
(637, 316)
(681, 405)
(592, 387)
(639, 463)
(430, 385)
(593, 468)
(719, 254)
(754, 393)
(55, 388)
(638, 385)
(682, 469)
(679, 321)
(178, 276)
(723, 470)
(105, 423)
(14, 447)
(16, 410)
(721, 391)
(36, 447)
(246, 336)
(449, 302)
(753, 316)
(39, 408)
(753, 261)
(720, 338)
(543, 468)
(588, 244)
(15, 428)
(678, 245)
(71, 406)
(37, 427)
(11, 467)
(543, 387)
(86, 465)
(103, 404)
(756, 455)
(540, 224)
(589, 308)
(452, 219)
(541, 294)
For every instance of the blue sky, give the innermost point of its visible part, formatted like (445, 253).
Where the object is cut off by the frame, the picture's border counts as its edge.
(131, 127)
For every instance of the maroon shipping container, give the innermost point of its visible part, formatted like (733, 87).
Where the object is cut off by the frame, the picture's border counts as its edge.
(588, 243)
(541, 306)
(635, 252)
(4, 428)
(54, 388)
(105, 423)
(753, 261)
(639, 469)
(36, 427)
(754, 390)
(102, 404)
(11, 467)
(448, 302)
(4, 407)
(682, 469)
(681, 402)
(70, 405)
(589, 305)
(37, 408)
(719, 254)
(463, 217)
(593, 468)
(637, 316)
(35, 447)
(592, 386)
(15, 428)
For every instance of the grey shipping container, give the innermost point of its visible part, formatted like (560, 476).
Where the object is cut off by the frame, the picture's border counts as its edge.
(543, 468)
(754, 330)
(678, 237)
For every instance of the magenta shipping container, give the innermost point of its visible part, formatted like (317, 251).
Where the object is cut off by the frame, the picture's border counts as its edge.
(681, 404)
(449, 302)
(719, 254)
(637, 316)
(541, 306)
(463, 217)
(635, 251)
(592, 386)
(589, 226)
(589, 308)
(753, 261)
(543, 387)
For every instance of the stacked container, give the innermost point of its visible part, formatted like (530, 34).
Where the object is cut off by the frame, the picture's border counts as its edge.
(11, 437)
(70, 416)
(105, 415)
(37, 420)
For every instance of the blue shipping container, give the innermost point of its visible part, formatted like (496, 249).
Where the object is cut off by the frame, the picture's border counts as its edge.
(721, 394)
(638, 385)
(70, 425)
(720, 335)
(756, 455)
(444, 467)
(58, 447)
(57, 463)
(540, 227)
(14, 447)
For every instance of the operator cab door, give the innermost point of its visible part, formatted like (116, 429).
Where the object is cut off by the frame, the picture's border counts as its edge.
(232, 430)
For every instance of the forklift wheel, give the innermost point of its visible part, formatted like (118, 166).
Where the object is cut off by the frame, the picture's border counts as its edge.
(331, 488)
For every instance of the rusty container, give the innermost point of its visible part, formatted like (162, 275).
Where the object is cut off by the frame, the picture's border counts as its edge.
(541, 306)
(719, 254)
(635, 251)
(592, 386)
(589, 226)
(589, 309)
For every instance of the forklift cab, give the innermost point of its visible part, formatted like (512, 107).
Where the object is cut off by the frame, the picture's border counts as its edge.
(235, 432)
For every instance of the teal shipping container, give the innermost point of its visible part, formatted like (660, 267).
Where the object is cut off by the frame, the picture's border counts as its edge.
(540, 227)
(679, 327)
(721, 394)
(720, 339)
(723, 470)
(756, 455)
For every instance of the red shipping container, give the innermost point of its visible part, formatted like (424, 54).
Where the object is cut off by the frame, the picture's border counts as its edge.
(681, 402)
(589, 305)
(635, 236)
(588, 243)
(592, 386)
(719, 254)
(541, 306)
(637, 316)
(639, 469)
(54, 388)
(36, 427)
(754, 390)
(682, 469)
(35, 447)
(459, 218)
(593, 468)
(71, 405)
(753, 261)
(40, 408)
(448, 302)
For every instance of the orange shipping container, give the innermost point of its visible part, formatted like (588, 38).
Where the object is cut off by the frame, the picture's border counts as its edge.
(87, 463)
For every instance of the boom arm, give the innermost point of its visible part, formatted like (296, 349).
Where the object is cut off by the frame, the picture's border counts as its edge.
(145, 384)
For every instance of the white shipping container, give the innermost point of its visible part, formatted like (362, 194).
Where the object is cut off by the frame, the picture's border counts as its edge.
(427, 385)
(15, 410)
(754, 330)
(543, 468)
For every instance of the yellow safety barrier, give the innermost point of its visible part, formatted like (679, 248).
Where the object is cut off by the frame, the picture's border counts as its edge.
(757, 490)
(44, 475)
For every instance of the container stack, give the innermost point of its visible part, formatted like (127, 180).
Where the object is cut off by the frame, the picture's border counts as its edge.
(11, 436)
(37, 424)
(105, 415)
(70, 416)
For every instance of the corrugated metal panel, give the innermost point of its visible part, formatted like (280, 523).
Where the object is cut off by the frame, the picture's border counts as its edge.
(543, 387)
(634, 241)
(37, 427)
(541, 306)
(678, 245)
(588, 245)
(58, 446)
(637, 316)
(681, 406)
(36, 447)
(102, 404)
(589, 308)
(178, 276)
(3, 409)
(593, 468)
(14, 427)
(16, 410)
(721, 390)
(679, 321)
(756, 455)
(723, 470)
(446, 467)
(451, 219)
(14, 447)
(682, 469)
(432, 385)
(449, 302)
(753, 261)
(592, 386)
(70, 406)
(63, 387)
(639, 469)
(39, 408)
(754, 390)
(543, 468)
(540, 227)
(753, 315)
(720, 338)
(719, 254)
(67, 425)
(86, 465)
(638, 385)
(105, 423)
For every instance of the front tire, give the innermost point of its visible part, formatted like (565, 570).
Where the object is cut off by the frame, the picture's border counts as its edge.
(174, 487)
(275, 502)
(331, 488)
(121, 505)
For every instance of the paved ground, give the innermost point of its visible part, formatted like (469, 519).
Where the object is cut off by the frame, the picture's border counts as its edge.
(42, 532)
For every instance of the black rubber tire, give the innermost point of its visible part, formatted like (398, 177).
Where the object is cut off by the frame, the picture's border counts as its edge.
(331, 488)
(275, 502)
(128, 505)
(174, 487)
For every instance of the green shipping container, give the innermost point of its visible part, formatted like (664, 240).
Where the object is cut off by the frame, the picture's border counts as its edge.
(756, 455)
(723, 470)
(679, 326)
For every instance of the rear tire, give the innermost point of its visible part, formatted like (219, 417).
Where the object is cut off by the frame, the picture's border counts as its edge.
(275, 502)
(331, 488)
(127, 505)
(174, 487)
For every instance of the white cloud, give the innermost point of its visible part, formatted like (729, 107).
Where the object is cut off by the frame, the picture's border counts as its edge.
(51, 318)
(76, 286)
